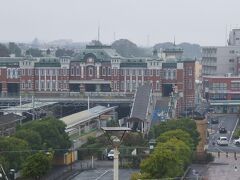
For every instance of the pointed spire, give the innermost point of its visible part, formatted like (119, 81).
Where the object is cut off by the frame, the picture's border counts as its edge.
(174, 41)
(98, 33)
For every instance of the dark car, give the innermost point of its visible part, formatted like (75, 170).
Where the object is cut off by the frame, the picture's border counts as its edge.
(222, 130)
(214, 121)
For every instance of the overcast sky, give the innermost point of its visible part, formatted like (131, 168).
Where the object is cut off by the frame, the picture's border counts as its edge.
(196, 21)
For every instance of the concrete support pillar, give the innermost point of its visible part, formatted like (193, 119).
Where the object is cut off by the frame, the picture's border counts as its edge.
(116, 164)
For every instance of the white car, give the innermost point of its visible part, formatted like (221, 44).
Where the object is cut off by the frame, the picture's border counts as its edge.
(222, 141)
(110, 154)
(236, 141)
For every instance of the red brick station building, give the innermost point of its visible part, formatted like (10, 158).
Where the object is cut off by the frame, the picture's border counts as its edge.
(100, 69)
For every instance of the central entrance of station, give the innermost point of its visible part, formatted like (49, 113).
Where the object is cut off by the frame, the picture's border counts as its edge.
(167, 89)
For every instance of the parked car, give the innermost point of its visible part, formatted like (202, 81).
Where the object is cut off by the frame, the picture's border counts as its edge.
(222, 141)
(110, 155)
(214, 121)
(222, 130)
(236, 141)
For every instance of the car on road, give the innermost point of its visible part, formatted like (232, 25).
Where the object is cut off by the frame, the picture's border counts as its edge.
(214, 121)
(236, 141)
(110, 155)
(222, 141)
(222, 130)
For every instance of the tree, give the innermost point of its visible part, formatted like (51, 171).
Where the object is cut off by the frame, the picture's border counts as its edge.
(64, 52)
(14, 49)
(167, 160)
(133, 139)
(4, 52)
(37, 165)
(32, 137)
(34, 52)
(184, 124)
(52, 132)
(13, 152)
(178, 134)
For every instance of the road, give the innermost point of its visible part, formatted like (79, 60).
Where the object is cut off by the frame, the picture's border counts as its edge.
(104, 174)
(223, 168)
(229, 122)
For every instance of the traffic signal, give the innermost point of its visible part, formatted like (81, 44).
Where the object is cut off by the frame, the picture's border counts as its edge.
(227, 154)
(235, 155)
(218, 154)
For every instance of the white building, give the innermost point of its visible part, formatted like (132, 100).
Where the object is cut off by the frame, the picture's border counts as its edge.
(220, 60)
(234, 37)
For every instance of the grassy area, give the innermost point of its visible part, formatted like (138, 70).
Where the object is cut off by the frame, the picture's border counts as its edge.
(84, 136)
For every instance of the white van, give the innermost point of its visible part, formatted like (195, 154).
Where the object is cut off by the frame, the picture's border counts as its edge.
(222, 141)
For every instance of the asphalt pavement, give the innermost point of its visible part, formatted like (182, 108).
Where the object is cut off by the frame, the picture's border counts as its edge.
(104, 174)
(229, 122)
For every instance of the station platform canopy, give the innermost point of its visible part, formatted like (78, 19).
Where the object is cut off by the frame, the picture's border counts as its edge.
(85, 116)
(26, 107)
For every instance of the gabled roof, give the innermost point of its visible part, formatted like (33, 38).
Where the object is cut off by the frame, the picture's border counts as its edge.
(9, 118)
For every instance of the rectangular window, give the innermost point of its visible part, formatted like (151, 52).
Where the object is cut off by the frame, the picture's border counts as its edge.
(190, 84)
(54, 72)
(23, 72)
(134, 72)
(72, 71)
(29, 84)
(115, 72)
(36, 84)
(122, 85)
(146, 72)
(174, 74)
(127, 72)
(158, 85)
(139, 72)
(109, 71)
(190, 71)
(48, 84)
(42, 85)
(78, 71)
(29, 72)
(128, 85)
(151, 72)
(158, 72)
(122, 72)
(103, 71)
(53, 85)
(42, 72)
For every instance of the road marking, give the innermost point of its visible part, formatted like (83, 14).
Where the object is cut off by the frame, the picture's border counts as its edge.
(102, 174)
(234, 129)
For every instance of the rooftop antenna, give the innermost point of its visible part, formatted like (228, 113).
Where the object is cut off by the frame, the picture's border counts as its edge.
(174, 41)
(98, 33)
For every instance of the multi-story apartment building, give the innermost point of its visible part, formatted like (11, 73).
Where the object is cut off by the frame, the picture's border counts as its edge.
(221, 74)
(220, 60)
(100, 69)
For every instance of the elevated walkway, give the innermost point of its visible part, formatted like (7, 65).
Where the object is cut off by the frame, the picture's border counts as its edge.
(140, 117)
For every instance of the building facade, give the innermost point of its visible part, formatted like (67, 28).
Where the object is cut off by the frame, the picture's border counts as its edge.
(100, 69)
(223, 93)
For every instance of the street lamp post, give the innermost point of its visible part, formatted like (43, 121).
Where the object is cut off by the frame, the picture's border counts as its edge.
(115, 142)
